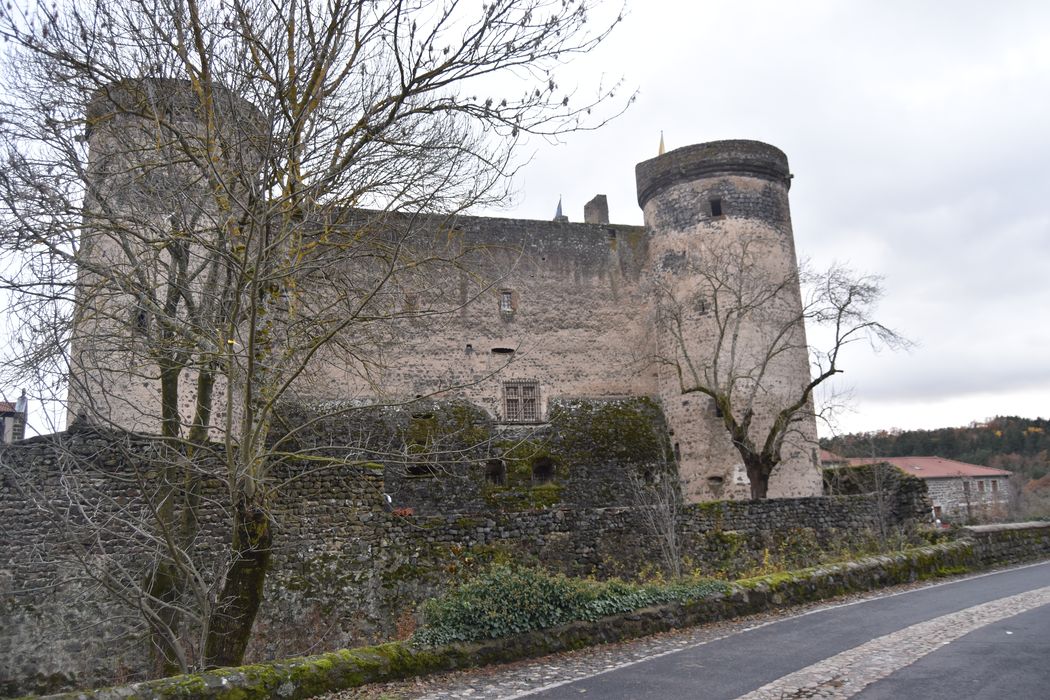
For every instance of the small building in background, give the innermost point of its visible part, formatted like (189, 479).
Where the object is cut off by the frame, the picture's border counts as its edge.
(13, 420)
(956, 488)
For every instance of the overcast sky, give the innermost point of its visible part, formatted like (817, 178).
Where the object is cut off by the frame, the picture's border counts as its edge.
(919, 137)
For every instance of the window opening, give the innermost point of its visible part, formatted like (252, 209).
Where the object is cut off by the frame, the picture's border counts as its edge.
(980, 486)
(995, 485)
(140, 320)
(716, 206)
(502, 351)
(521, 402)
(496, 472)
(542, 469)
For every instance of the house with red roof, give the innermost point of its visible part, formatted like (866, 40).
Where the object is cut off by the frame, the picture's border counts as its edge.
(13, 420)
(955, 488)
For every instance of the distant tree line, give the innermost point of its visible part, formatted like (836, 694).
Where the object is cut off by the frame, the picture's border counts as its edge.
(1021, 445)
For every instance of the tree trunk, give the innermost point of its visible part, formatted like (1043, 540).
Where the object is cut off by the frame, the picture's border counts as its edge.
(758, 472)
(164, 584)
(759, 486)
(163, 588)
(231, 622)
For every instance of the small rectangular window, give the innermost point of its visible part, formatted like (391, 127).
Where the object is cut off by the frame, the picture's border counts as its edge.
(716, 206)
(521, 402)
(995, 486)
(140, 321)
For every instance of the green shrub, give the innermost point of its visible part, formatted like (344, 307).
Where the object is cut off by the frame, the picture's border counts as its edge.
(505, 600)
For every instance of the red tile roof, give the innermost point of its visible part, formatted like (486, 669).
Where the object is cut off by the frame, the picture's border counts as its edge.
(829, 457)
(933, 467)
(7, 407)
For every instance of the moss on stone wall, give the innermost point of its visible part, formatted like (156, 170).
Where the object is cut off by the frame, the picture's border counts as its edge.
(626, 431)
(306, 677)
(592, 448)
(522, 498)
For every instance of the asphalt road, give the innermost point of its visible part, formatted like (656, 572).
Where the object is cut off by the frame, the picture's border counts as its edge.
(1003, 653)
(1006, 659)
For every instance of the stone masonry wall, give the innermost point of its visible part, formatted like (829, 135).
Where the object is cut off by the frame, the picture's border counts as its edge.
(967, 499)
(1009, 543)
(900, 496)
(345, 571)
(719, 230)
(568, 309)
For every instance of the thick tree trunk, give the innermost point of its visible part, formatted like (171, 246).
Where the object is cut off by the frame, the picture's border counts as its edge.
(231, 623)
(759, 486)
(759, 469)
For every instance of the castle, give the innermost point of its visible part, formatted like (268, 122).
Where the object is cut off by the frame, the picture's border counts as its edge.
(567, 310)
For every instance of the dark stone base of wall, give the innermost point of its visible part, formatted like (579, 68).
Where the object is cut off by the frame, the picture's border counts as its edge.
(303, 678)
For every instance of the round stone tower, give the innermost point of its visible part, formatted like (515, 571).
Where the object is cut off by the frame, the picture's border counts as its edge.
(726, 304)
(165, 175)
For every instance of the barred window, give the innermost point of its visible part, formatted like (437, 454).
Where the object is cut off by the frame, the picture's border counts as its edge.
(521, 402)
(506, 301)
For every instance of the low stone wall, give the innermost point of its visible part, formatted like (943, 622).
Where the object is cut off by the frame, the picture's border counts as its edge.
(1009, 543)
(304, 678)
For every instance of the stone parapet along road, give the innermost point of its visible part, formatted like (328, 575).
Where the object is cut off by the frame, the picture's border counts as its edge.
(884, 645)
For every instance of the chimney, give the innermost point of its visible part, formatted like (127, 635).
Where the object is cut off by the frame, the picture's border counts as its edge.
(596, 211)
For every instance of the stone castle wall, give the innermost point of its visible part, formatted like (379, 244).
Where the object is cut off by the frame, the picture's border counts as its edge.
(470, 307)
(346, 571)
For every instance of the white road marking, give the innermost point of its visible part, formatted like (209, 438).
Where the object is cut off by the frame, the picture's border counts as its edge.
(846, 674)
(873, 595)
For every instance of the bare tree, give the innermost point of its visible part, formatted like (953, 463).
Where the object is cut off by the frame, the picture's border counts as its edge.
(208, 238)
(659, 506)
(752, 324)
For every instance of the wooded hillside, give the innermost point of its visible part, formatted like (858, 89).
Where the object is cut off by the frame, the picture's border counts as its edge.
(1021, 445)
